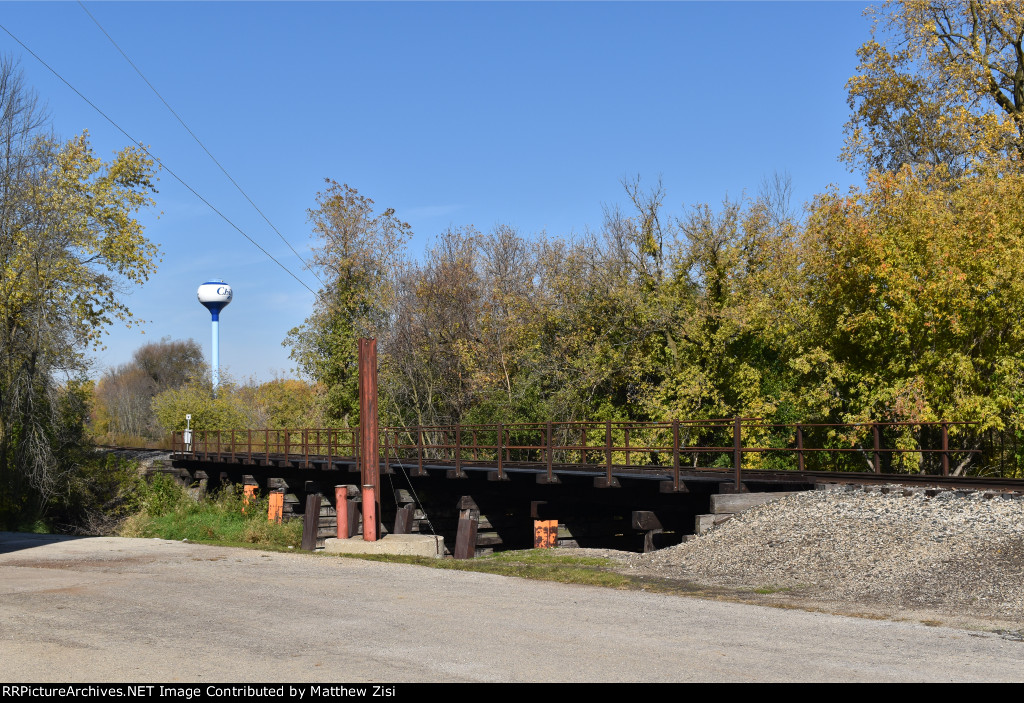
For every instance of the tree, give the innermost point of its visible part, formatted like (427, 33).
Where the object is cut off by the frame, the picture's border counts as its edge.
(279, 404)
(939, 83)
(287, 403)
(122, 403)
(358, 253)
(230, 409)
(124, 395)
(717, 354)
(434, 359)
(507, 338)
(69, 246)
(170, 363)
(913, 300)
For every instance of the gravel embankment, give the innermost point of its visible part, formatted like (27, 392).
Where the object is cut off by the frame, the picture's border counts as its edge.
(957, 553)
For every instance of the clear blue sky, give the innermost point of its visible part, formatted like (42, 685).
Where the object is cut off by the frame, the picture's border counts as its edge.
(527, 114)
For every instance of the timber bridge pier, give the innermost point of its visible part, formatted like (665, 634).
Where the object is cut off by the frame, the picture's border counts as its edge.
(624, 485)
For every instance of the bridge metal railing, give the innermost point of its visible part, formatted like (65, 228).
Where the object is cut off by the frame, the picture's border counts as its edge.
(613, 447)
(328, 444)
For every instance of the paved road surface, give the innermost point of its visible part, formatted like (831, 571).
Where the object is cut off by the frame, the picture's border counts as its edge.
(112, 609)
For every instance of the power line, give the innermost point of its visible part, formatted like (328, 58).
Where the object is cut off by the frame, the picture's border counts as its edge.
(153, 156)
(198, 141)
(327, 234)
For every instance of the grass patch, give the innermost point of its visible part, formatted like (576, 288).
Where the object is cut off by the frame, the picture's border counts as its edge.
(224, 518)
(549, 565)
(546, 556)
(539, 564)
(769, 590)
(36, 527)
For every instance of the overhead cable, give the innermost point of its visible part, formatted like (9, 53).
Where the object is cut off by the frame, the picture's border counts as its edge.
(154, 157)
(199, 142)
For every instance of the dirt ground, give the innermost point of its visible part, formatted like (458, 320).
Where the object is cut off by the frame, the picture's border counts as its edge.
(810, 598)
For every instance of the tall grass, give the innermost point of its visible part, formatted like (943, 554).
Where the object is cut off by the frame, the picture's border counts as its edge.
(115, 439)
(170, 512)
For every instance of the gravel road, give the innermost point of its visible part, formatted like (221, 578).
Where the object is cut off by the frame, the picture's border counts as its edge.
(112, 609)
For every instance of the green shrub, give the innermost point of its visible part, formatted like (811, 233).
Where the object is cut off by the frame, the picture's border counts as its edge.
(101, 492)
(222, 517)
(163, 495)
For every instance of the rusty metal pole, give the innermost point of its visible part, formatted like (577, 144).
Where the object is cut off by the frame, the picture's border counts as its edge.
(737, 451)
(419, 451)
(945, 448)
(357, 451)
(877, 439)
(675, 455)
(368, 428)
(608, 451)
(800, 447)
(626, 435)
(550, 453)
(501, 464)
(458, 451)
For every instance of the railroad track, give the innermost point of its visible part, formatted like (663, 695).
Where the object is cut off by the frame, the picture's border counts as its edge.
(552, 473)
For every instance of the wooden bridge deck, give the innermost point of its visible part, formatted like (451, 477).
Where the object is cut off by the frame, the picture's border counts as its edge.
(603, 475)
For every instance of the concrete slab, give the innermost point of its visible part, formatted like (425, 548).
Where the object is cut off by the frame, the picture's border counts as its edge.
(738, 502)
(704, 523)
(414, 545)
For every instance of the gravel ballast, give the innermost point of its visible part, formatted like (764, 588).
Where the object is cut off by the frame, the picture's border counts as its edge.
(954, 554)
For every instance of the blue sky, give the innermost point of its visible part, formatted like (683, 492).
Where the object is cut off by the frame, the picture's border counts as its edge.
(527, 114)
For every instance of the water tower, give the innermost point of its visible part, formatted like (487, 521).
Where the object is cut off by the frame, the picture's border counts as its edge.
(215, 295)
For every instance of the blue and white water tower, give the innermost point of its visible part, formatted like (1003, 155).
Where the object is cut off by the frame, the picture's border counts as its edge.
(215, 295)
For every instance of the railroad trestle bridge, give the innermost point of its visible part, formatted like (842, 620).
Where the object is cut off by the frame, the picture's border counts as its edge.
(632, 485)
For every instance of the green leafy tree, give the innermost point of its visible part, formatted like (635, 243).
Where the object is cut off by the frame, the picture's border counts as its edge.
(230, 409)
(358, 254)
(913, 299)
(288, 403)
(717, 354)
(939, 83)
(69, 247)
